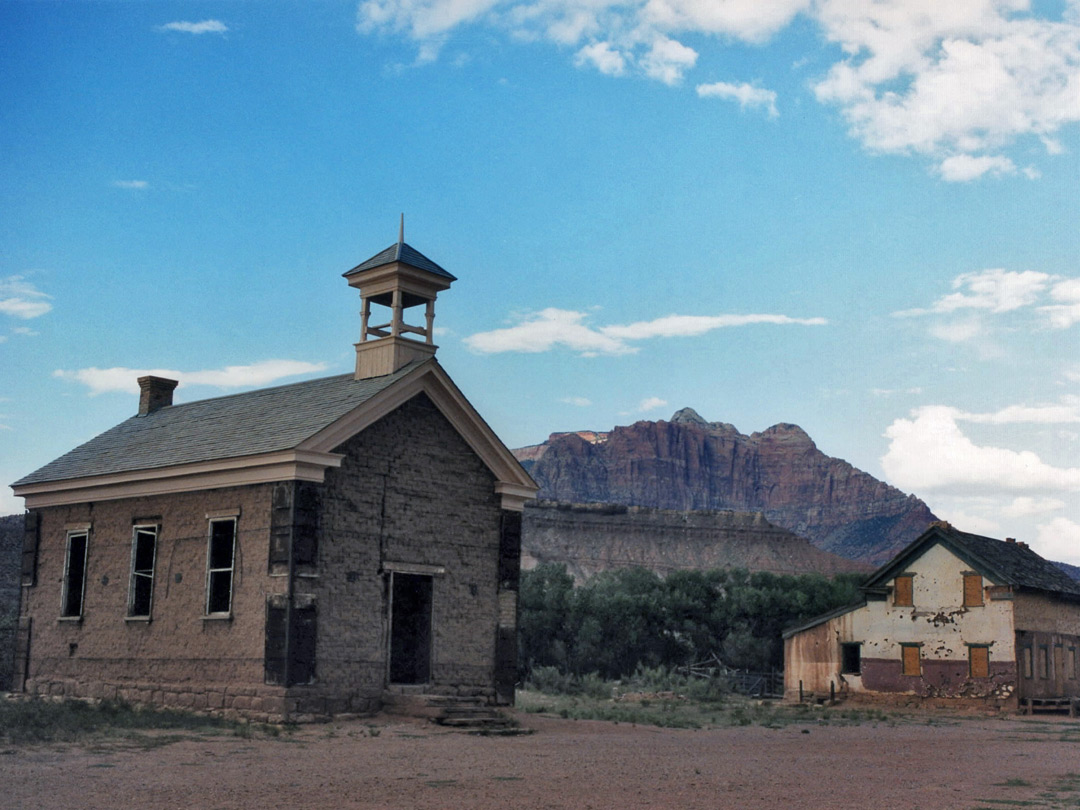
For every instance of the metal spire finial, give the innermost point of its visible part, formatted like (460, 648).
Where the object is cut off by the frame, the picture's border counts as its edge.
(401, 230)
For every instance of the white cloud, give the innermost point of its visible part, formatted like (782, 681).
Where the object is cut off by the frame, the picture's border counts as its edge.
(956, 82)
(580, 402)
(204, 27)
(1059, 540)
(667, 60)
(603, 57)
(1065, 413)
(21, 299)
(746, 94)
(929, 451)
(552, 327)
(963, 168)
(651, 404)
(1025, 506)
(968, 521)
(133, 185)
(1066, 312)
(26, 331)
(101, 380)
(888, 392)
(964, 330)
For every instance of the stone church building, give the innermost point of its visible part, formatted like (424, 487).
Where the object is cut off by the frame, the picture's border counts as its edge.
(287, 553)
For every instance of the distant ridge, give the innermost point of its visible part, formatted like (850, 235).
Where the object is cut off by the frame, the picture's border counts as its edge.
(591, 538)
(688, 463)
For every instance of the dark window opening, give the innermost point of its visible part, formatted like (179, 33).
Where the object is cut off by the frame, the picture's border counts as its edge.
(289, 664)
(220, 560)
(851, 658)
(1027, 662)
(141, 589)
(410, 628)
(75, 575)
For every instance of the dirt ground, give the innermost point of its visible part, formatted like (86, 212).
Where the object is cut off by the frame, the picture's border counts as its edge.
(948, 764)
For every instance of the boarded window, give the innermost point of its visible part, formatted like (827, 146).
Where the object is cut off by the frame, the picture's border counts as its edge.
(1071, 659)
(851, 658)
(75, 575)
(973, 590)
(1026, 655)
(979, 661)
(141, 587)
(1044, 661)
(911, 660)
(220, 558)
(903, 593)
(294, 523)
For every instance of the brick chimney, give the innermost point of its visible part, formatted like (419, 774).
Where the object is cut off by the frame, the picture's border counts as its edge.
(155, 393)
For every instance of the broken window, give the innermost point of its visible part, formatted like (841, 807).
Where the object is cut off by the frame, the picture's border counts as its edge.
(220, 558)
(1027, 662)
(903, 593)
(973, 590)
(851, 658)
(141, 587)
(911, 659)
(75, 575)
(979, 660)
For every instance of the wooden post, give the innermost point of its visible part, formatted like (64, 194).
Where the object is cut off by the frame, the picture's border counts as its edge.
(800, 692)
(832, 692)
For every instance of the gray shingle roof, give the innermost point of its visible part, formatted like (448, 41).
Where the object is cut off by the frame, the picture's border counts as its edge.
(262, 421)
(401, 252)
(1009, 563)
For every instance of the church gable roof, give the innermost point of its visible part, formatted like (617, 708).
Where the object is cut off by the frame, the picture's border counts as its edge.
(262, 421)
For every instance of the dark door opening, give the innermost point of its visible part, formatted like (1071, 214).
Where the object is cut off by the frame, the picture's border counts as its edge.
(410, 628)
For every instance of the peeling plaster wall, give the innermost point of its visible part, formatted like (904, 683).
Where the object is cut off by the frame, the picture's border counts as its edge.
(937, 621)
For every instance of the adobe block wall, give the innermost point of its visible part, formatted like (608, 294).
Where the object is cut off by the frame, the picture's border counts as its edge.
(177, 658)
(409, 492)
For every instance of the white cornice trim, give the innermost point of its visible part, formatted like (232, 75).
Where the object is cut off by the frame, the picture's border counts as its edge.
(303, 465)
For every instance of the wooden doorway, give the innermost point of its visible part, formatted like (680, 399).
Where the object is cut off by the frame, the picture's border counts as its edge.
(410, 628)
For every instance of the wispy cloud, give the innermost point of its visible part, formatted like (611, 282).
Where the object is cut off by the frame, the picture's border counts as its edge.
(204, 27)
(745, 94)
(651, 404)
(580, 402)
(1054, 301)
(133, 185)
(551, 328)
(21, 299)
(101, 380)
(957, 84)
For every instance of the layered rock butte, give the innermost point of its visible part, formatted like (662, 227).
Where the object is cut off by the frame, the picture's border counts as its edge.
(688, 464)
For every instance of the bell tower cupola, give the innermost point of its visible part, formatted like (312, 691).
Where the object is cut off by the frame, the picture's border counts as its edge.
(391, 282)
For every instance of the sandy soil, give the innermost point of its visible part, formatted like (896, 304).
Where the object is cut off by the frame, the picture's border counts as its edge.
(390, 763)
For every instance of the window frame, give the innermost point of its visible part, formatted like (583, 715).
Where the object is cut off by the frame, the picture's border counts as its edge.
(845, 658)
(1027, 656)
(1046, 662)
(909, 596)
(904, 647)
(974, 593)
(154, 530)
(972, 655)
(65, 595)
(211, 571)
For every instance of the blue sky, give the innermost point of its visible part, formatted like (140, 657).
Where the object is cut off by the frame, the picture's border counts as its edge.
(858, 217)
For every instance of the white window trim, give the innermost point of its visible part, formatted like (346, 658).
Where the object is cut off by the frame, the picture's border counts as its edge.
(227, 614)
(154, 529)
(84, 532)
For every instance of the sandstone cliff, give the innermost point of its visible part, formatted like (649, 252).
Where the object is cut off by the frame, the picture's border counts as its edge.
(690, 464)
(590, 538)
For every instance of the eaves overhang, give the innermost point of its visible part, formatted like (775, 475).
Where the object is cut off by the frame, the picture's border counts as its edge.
(297, 464)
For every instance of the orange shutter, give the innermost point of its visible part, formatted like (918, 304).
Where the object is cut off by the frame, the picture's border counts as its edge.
(911, 661)
(979, 659)
(902, 593)
(973, 592)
